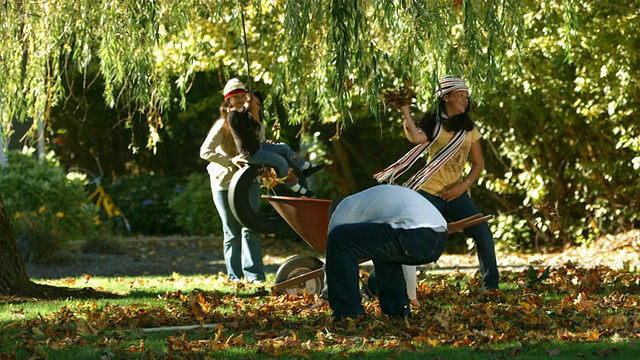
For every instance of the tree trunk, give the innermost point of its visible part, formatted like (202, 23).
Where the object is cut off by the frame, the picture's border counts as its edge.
(343, 160)
(13, 275)
(14, 281)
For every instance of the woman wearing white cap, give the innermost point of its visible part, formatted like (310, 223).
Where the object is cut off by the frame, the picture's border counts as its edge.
(242, 247)
(448, 136)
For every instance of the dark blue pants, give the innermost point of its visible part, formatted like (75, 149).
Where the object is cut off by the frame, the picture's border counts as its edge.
(463, 207)
(389, 249)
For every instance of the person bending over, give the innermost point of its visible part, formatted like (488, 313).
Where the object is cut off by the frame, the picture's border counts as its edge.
(391, 225)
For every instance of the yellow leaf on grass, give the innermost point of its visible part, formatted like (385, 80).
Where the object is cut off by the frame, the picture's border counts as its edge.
(553, 352)
(426, 340)
(86, 329)
(616, 338)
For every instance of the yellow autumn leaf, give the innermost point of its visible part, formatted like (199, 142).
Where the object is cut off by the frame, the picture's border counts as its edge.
(86, 329)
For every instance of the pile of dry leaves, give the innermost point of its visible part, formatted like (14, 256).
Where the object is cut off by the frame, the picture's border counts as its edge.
(582, 295)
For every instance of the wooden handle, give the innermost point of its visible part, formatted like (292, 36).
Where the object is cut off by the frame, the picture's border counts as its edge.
(456, 226)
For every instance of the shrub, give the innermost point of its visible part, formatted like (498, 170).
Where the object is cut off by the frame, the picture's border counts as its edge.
(144, 200)
(48, 209)
(194, 209)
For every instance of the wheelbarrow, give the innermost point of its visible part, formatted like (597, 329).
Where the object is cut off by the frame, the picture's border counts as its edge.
(309, 218)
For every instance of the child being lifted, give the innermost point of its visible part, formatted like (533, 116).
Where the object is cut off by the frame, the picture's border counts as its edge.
(245, 125)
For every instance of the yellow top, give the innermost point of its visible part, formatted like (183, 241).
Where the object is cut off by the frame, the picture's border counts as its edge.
(451, 171)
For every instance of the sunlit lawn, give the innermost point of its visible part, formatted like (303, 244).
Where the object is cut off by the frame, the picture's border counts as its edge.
(573, 314)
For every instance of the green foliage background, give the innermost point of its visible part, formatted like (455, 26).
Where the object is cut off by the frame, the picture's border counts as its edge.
(145, 200)
(193, 207)
(551, 83)
(47, 208)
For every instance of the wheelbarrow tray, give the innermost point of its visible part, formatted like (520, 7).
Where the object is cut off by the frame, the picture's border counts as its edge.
(308, 217)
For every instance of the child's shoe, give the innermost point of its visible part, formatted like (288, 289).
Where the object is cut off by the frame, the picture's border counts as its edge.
(299, 191)
(313, 169)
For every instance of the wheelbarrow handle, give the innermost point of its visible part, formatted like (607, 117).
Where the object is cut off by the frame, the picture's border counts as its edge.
(456, 226)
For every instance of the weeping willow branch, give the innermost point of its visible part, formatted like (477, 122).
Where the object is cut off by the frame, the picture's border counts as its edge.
(320, 59)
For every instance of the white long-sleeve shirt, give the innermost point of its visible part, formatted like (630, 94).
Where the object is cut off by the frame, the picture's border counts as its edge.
(218, 148)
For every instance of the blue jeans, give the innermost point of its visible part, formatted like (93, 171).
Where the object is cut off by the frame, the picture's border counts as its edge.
(242, 247)
(277, 156)
(389, 249)
(463, 207)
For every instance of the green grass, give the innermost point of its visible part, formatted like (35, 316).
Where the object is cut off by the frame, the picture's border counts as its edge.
(591, 314)
(538, 352)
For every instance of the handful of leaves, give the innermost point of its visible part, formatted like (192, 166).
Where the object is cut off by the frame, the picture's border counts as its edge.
(398, 98)
(270, 179)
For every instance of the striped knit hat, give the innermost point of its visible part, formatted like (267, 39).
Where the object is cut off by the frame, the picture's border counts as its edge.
(234, 87)
(448, 84)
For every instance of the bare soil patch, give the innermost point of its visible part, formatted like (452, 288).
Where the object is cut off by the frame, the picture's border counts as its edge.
(203, 255)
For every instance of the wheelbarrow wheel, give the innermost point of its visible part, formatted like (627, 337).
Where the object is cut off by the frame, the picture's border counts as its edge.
(297, 266)
(263, 219)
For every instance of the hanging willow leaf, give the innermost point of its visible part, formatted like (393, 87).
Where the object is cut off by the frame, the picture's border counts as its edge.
(304, 51)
